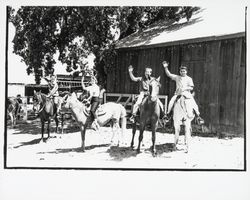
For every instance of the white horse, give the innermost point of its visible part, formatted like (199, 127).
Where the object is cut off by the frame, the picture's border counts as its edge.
(182, 119)
(108, 112)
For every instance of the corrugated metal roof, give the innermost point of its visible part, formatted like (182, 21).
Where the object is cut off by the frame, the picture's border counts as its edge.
(208, 23)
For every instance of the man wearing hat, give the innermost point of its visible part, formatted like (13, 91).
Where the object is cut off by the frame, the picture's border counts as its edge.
(184, 86)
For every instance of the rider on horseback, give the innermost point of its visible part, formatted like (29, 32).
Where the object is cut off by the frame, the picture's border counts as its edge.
(94, 91)
(143, 90)
(53, 90)
(184, 86)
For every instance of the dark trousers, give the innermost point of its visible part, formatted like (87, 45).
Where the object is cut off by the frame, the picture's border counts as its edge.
(95, 101)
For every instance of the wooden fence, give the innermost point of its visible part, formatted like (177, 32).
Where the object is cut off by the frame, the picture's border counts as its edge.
(127, 99)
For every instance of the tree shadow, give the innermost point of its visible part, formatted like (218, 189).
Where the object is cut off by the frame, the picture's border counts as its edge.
(119, 153)
(33, 127)
(144, 37)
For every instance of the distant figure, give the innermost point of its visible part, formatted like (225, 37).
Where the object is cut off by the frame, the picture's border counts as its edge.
(19, 100)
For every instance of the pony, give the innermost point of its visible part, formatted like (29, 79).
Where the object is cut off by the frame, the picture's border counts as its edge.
(182, 121)
(46, 110)
(108, 112)
(149, 114)
(13, 107)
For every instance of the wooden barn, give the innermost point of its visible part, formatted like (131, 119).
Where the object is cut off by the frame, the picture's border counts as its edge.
(65, 83)
(213, 46)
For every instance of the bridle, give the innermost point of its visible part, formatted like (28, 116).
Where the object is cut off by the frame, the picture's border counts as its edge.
(150, 86)
(40, 102)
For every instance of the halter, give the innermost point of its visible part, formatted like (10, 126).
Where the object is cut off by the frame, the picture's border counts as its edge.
(43, 105)
(150, 86)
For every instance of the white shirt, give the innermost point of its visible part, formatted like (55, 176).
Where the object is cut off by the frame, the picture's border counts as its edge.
(182, 83)
(94, 90)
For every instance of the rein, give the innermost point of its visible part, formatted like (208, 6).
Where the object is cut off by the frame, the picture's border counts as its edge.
(41, 109)
(43, 105)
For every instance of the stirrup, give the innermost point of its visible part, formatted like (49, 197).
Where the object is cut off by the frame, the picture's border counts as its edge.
(132, 119)
(200, 121)
(95, 125)
(167, 118)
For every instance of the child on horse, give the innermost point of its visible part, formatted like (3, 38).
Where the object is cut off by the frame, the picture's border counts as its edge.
(53, 90)
(184, 86)
(143, 90)
(94, 97)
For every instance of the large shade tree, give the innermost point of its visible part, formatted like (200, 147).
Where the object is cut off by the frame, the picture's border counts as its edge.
(76, 32)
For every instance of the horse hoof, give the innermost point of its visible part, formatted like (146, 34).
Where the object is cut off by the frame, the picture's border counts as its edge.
(138, 151)
(154, 154)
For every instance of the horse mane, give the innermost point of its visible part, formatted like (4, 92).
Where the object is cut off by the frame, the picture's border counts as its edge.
(155, 79)
(43, 96)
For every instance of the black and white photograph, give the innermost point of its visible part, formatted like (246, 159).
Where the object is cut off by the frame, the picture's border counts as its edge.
(107, 90)
(126, 87)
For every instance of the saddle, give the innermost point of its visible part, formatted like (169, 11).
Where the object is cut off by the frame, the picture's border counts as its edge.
(99, 111)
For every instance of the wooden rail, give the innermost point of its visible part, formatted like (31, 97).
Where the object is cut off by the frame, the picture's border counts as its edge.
(127, 100)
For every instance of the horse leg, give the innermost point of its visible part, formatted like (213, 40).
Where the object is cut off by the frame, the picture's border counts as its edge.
(153, 127)
(48, 130)
(12, 120)
(62, 118)
(42, 129)
(176, 136)
(83, 131)
(133, 134)
(142, 128)
(56, 120)
(187, 137)
(116, 132)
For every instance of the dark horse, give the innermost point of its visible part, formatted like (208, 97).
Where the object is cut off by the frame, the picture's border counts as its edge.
(46, 109)
(149, 114)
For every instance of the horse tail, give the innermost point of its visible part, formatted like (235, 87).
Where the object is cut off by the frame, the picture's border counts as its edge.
(123, 118)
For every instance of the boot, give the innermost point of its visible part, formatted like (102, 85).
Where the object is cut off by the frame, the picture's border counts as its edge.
(167, 117)
(199, 120)
(95, 125)
(132, 118)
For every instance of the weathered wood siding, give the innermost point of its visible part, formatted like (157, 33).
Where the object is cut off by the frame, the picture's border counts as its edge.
(218, 69)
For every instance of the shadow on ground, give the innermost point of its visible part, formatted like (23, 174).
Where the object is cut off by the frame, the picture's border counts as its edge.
(76, 150)
(34, 141)
(33, 127)
(119, 153)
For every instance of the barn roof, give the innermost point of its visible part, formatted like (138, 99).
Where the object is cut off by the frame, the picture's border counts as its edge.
(206, 24)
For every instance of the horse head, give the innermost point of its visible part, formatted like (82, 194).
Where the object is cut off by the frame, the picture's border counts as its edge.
(37, 100)
(69, 99)
(154, 88)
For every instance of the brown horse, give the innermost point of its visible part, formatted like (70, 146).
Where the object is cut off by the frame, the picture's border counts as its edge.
(46, 109)
(149, 114)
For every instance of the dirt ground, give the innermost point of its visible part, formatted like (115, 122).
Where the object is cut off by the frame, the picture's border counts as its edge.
(26, 149)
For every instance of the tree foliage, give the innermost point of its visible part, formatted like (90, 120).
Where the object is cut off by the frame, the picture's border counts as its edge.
(75, 32)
